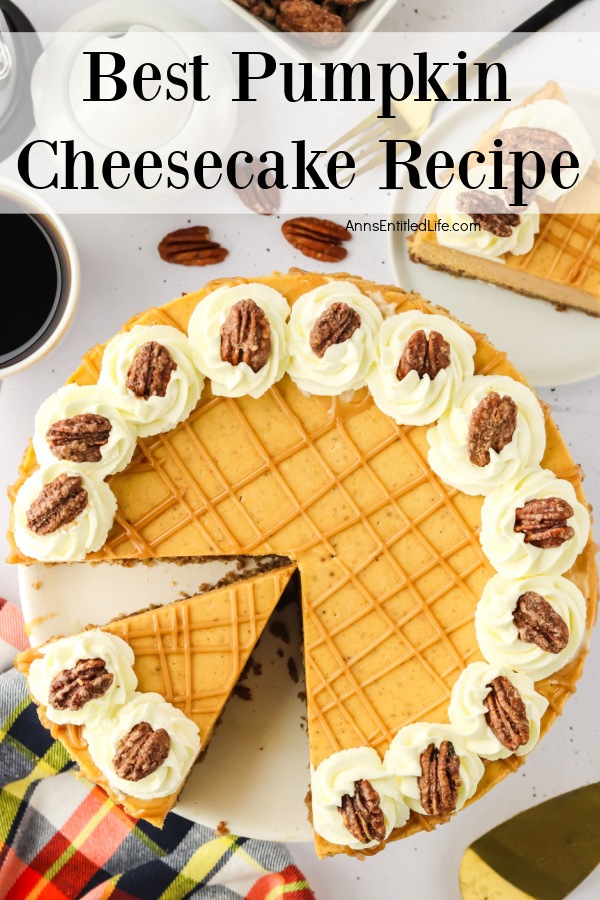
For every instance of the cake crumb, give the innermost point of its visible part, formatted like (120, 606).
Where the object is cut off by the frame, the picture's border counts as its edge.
(36, 585)
(243, 692)
(293, 669)
(280, 630)
(280, 652)
(301, 696)
(222, 829)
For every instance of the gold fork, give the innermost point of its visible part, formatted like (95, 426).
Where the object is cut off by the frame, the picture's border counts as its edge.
(413, 118)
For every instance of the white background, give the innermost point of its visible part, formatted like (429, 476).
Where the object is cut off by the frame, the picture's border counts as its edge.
(123, 274)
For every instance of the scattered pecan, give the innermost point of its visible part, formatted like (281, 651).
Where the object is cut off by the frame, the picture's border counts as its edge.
(150, 371)
(506, 714)
(491, 427)
(79, 439)
(362, 814)
(141, 752)
(319, 239)
(488, 211)
(73, 688)
(58, 504)
(264, 201)
(539, 623)
(547, 143)
(440, 779)
(544, 522)
(306, 16)
(334, 326)
(246, 336)
(191, 247)
(425, 356)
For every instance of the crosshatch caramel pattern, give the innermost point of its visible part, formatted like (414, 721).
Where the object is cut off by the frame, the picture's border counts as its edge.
(389, 556)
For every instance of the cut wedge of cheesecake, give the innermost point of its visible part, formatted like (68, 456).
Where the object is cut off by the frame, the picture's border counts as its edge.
(192, 653)
(563, 266)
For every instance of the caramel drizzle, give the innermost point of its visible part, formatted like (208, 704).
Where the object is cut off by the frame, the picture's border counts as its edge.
(562, 231)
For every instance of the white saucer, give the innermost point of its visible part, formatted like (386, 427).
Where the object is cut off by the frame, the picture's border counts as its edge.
(548, 346)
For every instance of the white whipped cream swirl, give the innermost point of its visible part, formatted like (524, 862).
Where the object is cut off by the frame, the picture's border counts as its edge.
(559, 117)
(336, 776)
(506, 549)
(204, 332)
(403, 760)
(414, 400)
(157, 414)
(345, 366)
(75, 400)
(72, 542)
(498, 635)
(104, 741)
(65, 654)
(449, 454)
(480, 242)
(467, 710)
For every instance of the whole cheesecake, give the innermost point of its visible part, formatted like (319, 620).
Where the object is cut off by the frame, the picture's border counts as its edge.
(402, 464)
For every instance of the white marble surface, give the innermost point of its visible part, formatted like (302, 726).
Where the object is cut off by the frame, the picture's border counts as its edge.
(123, 274)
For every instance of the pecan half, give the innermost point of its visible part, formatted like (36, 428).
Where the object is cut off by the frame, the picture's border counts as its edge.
(488, 211)
(539, 623)
(58, 504)
(491, 427)
(319, 239)
(425, 356)
(73, 688)
(246, 336)
(264, 201)
(547, 143)
(141, 752)
(80, 438)
(544, 522)
(361, 814)
(440, 779)
(336, 325)
(506, 714)
(150, 371)
(191, 247)
(306, 16)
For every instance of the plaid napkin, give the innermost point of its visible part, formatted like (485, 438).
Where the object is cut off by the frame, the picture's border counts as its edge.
(63, 839)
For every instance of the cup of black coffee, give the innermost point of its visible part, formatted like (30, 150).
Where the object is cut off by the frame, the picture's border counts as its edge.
(40, 278)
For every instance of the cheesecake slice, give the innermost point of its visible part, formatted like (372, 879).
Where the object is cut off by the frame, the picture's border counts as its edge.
(563, 263)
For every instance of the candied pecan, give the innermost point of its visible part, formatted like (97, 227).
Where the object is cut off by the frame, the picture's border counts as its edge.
(80, 438)
(336, 325)
(141, 752)
(150, 371)
(58, 504)
(264, 201)
(506, 714)
(544, 522)
(317, 238)
(73, 688)
(306, 16)
(488, 211)
(539, 623)
(362, 815)
(440, 779)
(259, 8)
(425, 356)
(547, 143)
(491, 427)
(191, 247)
(246, 336)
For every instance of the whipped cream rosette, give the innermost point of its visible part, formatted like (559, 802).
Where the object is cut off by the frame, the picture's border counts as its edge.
(151, 377)
(545, 639)
(417, 398)
(338, 777)
(533, 525)
(559, 119)
(333, 332)
(404, 757)
(255, 316)
(510, 723)
(79, 424)
(84, 679)
(150, 713)
(61, 514)
(493, 430)
(461, 235)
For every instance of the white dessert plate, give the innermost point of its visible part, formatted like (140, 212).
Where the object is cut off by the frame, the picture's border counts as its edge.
(548, 346)
(255, 775)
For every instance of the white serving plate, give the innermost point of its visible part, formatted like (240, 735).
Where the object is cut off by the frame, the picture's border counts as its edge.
(548, 346)
(255, 774)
